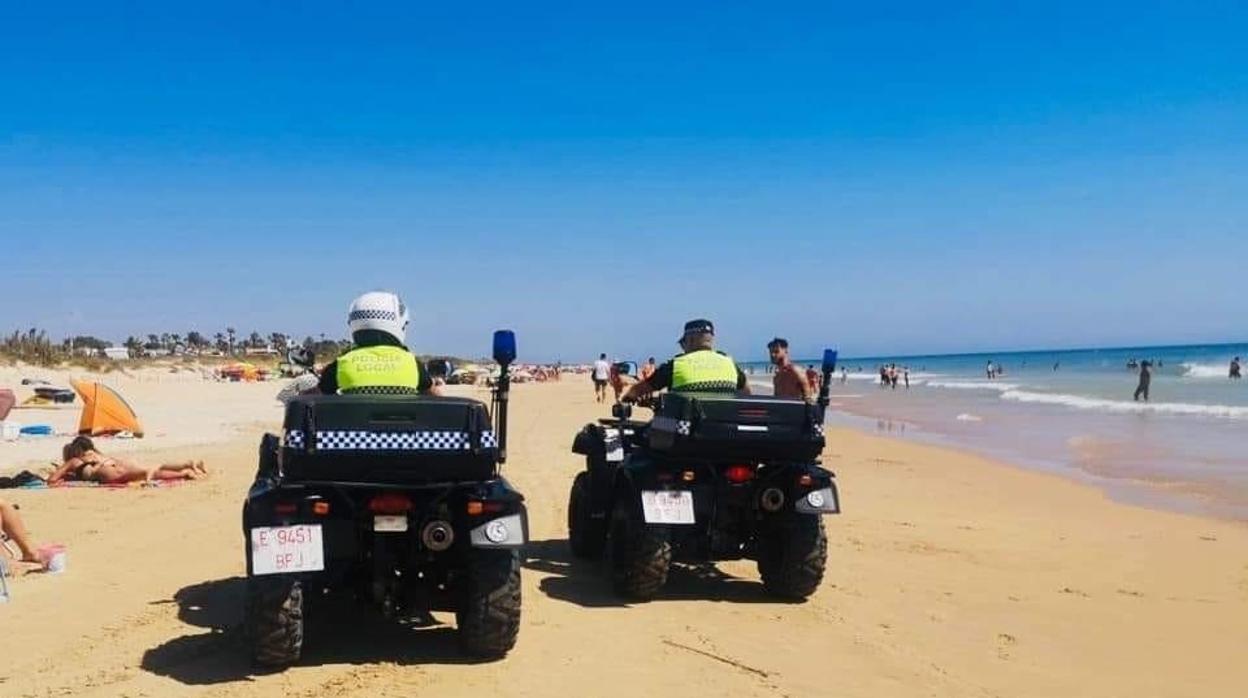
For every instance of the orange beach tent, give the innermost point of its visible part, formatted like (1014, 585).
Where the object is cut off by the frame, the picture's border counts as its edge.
(104, 411)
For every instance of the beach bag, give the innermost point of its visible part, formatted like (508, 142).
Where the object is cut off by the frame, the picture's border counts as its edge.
(387, 439)
(725, 426)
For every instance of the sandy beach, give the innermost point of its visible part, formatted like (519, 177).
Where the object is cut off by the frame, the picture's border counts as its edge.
(949, 575)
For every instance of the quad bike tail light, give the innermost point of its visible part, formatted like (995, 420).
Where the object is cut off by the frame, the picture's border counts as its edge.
(390, 503)
(738, 474)
(285, 508)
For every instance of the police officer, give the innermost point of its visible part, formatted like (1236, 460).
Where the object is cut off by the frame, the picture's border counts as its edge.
(379, 363)
(699, 369)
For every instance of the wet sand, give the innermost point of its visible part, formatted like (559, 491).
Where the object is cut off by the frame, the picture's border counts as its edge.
(948, 575)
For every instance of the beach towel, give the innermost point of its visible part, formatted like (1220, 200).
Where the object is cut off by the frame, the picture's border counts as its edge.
(143, 484)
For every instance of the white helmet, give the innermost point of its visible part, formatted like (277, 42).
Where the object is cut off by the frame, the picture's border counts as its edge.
(379, 310)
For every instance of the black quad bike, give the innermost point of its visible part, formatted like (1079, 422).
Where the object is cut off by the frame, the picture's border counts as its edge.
(710, 477)
(395, 500)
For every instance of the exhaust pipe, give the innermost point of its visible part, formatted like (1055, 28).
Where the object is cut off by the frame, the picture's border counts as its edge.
(437, 536)
(772, 499)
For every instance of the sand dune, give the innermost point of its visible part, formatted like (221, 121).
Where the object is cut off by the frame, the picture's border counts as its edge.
(949, 575)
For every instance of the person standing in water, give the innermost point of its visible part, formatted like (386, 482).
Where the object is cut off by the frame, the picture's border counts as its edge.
(1146, 379)
(1235, 370)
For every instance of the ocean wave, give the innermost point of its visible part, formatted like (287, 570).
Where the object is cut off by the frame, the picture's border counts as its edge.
(1195, 370)
(1123, 406)
(973, 385)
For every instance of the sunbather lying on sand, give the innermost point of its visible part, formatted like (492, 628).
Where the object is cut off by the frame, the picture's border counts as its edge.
(11, 524)
(83, 462)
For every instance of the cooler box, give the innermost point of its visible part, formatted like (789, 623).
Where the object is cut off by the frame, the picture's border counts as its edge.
(710, 425)
(398, 439)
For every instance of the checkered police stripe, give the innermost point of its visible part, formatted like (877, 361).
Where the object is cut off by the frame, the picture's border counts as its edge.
(373, 314)
(818, 430)
(390, 441)
(670, 424)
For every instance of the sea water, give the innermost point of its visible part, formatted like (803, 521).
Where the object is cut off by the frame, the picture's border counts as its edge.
(1073, 412)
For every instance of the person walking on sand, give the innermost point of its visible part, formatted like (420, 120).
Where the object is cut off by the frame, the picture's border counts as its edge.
(905, 372)
(789, 381)
(1146, 378)
(82, 462)
(601, 376)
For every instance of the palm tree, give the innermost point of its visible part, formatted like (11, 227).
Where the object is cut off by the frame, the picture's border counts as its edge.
(229, 331)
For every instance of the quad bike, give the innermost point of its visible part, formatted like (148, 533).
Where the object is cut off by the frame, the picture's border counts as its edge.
(393, 500)
(710, 477)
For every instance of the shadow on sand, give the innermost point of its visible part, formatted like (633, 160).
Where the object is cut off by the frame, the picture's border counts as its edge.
(335, 632)
(588, 583)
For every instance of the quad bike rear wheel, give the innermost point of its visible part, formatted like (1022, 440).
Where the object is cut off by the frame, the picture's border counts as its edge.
(640, 554)
(274, 620)
(793, 555)
(587, 536)
(489, 614)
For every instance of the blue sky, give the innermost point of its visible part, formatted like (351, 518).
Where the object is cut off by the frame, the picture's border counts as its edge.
(906, 179)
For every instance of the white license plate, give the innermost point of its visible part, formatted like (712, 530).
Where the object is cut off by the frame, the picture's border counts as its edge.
(282, 549)
(667, 507)
(390, 524)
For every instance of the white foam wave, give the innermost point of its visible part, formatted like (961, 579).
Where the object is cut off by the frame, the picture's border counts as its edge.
(1195, 370)
(1122, 406)
(974, 385)
(968, 417)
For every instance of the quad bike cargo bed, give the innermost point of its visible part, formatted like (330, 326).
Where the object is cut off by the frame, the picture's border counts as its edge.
(712, 425)
(395, 439)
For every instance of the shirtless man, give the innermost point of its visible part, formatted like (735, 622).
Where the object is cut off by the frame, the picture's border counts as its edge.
(789, 380)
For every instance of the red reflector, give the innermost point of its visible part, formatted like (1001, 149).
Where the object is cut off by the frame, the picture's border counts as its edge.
(739, 473)
(805, 480)
(663, 477)
(284, 508)
(390, 503)
(320, 508)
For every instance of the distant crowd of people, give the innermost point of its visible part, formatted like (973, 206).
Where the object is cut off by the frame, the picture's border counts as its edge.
(890, 374)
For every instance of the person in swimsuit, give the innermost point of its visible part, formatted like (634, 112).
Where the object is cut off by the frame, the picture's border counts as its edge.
(83, 462)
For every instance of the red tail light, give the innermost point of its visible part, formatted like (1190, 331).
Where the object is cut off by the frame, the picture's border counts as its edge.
(285, 508)
(738, 474)
(390, 503)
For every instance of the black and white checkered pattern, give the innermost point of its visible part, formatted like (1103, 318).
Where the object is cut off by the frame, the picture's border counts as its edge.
(390, 441)
(683, 427)
(818, 430)
(373, 314)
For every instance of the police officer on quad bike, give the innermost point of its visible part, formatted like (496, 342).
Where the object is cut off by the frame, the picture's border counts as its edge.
(378, 363)
(716, 474)
(700, 368)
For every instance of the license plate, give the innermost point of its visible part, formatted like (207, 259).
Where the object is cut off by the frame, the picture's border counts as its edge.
(390, 524)
(667, 507)
(282, 549)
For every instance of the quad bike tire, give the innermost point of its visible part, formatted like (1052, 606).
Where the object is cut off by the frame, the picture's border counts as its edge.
(274, 620)
(793, 556)
(586, 536)
(641, 555)
(488, 618)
